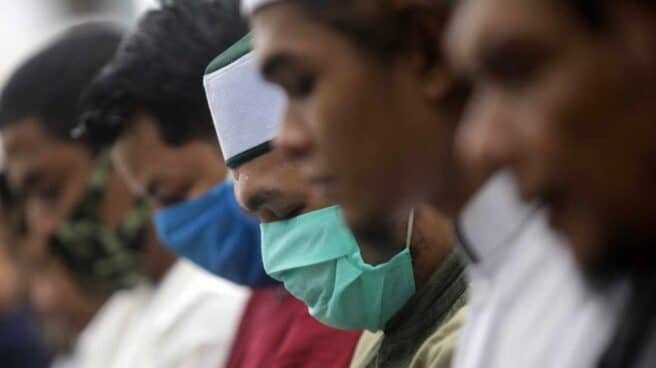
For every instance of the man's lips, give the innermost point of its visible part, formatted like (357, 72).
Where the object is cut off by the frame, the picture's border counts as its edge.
(280, 212)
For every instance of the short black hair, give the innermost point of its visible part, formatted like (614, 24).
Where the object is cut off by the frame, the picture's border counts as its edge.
(159, 70)
(48, 85)
(590, 11)
(594, 12)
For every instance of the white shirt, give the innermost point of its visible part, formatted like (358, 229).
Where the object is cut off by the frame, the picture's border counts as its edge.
(529, 304)
(190, 321)
(96, 345)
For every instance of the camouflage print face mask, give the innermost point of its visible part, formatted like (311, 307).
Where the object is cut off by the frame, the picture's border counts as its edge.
(101, 260)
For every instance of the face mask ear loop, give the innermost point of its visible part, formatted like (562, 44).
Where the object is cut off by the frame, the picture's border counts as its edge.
(411, 227)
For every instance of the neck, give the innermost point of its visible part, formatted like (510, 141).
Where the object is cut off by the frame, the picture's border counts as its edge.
(432, 241)
(431, 307)
(157, 259)
(88, 311)
(464, 190)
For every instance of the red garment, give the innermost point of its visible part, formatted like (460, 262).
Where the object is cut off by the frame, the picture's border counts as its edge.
(276, 331)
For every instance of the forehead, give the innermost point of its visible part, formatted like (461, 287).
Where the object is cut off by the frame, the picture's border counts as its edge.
(25, 136)
(479, 24)
(280, 25)
(29, 152)
(286, 27)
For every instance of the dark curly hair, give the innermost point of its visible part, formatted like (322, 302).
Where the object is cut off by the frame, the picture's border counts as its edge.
(594, 13)
(158, 70)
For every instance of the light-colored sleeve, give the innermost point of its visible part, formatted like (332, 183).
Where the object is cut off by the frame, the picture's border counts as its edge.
(366, 349)
(489, 223)
(438, 350)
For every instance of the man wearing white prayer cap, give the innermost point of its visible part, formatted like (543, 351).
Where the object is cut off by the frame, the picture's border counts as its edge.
(413, 315)
(246, 112)
(373, 113)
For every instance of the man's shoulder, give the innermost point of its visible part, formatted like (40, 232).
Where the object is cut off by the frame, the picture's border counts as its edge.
(438, 349)
(367, 347)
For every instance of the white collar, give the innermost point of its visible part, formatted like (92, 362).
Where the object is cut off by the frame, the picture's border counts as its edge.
(248, 7)
(492, 220)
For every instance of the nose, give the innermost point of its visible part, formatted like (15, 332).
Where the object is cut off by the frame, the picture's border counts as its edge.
(485, 141)
(41, 219)
(16, 175)
(43, 295)
(250, 195)
(294, 138)
(267, 202)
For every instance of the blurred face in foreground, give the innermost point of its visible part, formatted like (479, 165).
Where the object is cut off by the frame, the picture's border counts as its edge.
(51, 176)
(371, 131)
(565, 97)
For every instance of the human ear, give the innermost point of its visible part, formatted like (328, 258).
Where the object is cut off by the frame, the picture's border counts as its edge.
(426, 26)
(635, 23)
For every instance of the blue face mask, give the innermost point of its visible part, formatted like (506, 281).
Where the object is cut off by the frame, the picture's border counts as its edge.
(214, 233)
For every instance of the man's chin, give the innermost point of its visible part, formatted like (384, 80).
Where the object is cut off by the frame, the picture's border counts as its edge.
(375, 235)
(621, 254)
(369, 229)
(599, 254)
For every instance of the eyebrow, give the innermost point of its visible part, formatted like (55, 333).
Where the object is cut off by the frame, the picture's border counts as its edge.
(493, 52)
(275, 64)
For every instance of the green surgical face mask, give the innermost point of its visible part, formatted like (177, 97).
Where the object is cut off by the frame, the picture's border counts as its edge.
(318, 259)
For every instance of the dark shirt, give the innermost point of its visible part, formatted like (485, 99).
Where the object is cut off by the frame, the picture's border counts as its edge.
(634, 343)
(20, 346)
(423, 314)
